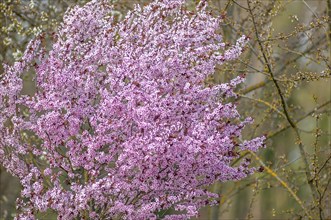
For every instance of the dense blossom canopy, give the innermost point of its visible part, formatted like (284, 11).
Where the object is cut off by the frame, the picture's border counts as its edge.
(121, 120)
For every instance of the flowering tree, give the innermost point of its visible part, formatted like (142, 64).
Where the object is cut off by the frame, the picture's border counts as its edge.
(122, 122)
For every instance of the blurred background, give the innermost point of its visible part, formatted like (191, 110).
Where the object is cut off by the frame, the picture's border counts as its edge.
(287, 92)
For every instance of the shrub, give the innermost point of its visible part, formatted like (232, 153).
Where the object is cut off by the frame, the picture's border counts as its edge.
(122, 123)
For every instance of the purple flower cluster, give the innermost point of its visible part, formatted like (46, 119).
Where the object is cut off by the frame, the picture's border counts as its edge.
(122, 122)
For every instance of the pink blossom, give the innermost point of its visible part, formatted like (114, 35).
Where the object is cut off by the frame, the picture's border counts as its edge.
(124, 125)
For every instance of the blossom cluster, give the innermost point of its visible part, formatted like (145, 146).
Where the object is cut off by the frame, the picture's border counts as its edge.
(121, 120)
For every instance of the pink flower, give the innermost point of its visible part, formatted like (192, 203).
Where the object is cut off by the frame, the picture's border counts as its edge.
(123, 123)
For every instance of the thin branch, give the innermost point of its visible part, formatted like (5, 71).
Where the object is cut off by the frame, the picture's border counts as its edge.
(265, 103)
(293, 125)
(298, 120)
(283, 183)
(325, 163)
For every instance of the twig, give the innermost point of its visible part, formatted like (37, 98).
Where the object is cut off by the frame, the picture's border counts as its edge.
(293, 125)
(283, 183)
(298, 120)
(265, 103)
